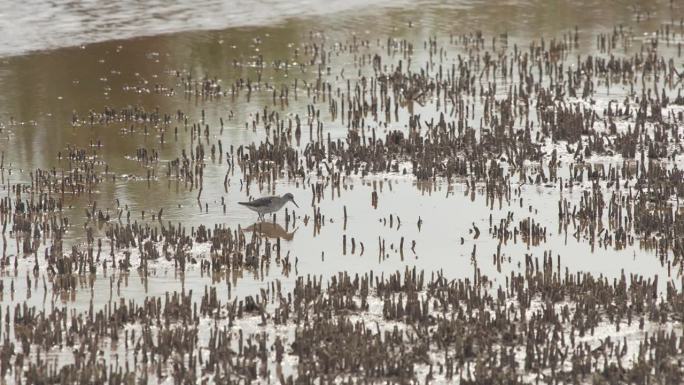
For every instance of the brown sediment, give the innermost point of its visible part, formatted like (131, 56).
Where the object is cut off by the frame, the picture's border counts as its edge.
(511, 126)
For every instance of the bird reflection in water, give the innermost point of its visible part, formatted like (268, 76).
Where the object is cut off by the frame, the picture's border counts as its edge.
(270, 230)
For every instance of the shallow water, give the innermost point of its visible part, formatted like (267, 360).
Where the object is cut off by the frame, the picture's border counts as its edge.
(44, 92)
(66, 60)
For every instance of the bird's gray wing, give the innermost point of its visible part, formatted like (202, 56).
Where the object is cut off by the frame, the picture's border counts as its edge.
(261, 202)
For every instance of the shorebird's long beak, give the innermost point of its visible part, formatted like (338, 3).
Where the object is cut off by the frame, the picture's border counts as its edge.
(295, 203)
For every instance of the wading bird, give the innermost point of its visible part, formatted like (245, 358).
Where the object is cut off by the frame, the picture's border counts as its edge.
(267, 205)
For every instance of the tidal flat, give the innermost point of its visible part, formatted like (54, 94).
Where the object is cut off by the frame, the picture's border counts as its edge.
(486, 193)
